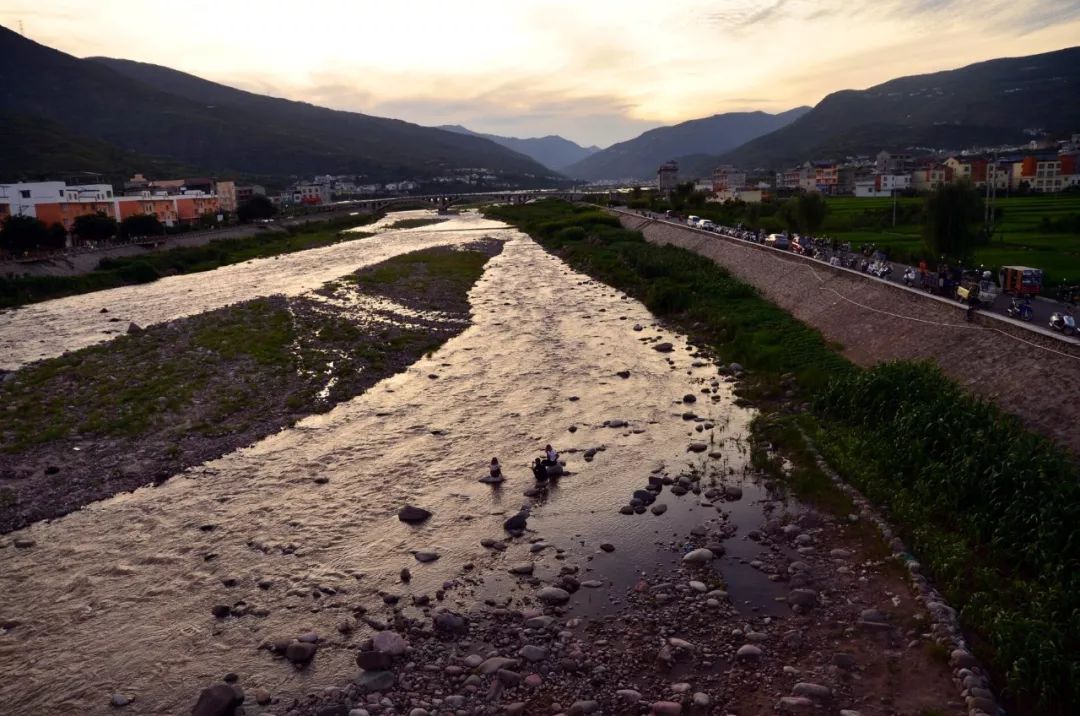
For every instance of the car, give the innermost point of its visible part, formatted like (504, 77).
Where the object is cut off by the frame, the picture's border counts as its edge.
(777, 241)
(693, 220)
(706, 225)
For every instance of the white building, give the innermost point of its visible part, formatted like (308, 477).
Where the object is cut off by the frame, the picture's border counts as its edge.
(23, 197)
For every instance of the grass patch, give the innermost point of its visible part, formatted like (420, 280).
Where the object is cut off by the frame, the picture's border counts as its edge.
(990, 508)
(415, 223)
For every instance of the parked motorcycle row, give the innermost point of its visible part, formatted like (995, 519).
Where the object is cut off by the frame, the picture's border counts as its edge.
(876, 263)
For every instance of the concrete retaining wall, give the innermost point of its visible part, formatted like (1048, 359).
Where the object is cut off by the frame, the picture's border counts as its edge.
(1030, 373)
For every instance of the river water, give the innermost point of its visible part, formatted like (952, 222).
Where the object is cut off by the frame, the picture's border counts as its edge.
(117, 597)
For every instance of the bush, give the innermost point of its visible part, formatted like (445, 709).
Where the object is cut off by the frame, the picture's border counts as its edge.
(138, 272)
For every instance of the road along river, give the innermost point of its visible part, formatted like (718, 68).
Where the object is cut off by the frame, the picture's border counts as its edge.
(118, 596)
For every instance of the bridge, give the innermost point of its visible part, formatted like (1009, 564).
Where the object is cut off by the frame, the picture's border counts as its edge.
(445, 201)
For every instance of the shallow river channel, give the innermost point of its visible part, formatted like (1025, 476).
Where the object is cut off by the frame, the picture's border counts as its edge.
(117, 597)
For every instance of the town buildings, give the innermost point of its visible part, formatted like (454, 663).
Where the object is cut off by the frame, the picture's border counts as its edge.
(57, 203)
(667, 176)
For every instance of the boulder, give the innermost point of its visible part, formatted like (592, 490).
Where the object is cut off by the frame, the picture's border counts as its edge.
(516, 523)
(217, 700)
(374, 660)
(300, 652)
(553, 595)
(698, 556)
(412, 514)
(389, 642)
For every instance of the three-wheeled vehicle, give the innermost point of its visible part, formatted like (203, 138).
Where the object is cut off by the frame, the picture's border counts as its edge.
(1021, 280)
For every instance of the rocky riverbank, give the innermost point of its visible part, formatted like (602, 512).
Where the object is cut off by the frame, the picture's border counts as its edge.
(153, 402)
(829, 624)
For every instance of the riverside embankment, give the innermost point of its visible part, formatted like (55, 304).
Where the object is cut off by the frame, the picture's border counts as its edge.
(1033, 376)
(294, 542)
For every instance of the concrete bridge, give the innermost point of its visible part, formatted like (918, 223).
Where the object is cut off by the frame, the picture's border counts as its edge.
(445, 201)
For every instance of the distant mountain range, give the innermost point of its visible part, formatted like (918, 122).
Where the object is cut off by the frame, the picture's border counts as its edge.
(553, 151)
(987, 103)
(124, 111)
(638, 158)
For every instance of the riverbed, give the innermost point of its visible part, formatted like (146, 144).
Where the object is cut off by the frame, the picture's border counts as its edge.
(117, 598)
(47, 329)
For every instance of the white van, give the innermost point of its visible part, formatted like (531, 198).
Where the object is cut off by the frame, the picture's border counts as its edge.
(693, 220)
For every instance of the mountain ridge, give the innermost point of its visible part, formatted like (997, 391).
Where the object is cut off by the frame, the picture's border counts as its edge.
(551, 150)
(989, 102)
(639, 157)
(144, 109)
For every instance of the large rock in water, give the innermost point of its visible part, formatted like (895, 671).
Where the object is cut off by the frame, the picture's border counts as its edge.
(553, 595)
(409, 513)
(217, 700)
(663, 347)
(389, 642)
(698, 556)
(517, 522)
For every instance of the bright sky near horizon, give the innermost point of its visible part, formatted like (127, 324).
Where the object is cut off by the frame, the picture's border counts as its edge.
(595, 71)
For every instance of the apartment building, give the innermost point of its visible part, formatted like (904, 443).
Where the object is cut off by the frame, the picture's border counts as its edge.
(667, 176)
(727, 177)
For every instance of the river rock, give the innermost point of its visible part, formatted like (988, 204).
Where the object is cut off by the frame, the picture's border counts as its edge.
(525, 568)
(374, 660)
(749, 651)
(663, 348)
(389, 642)
(628, 696)
(216, 700)
(698, 556)
(119, 700)
(607, 547)
(134, 328)
(659, 509)
(697, 446)
(368, 681)
(300, 652)
(584, 707)
(426, 555)
(795, 704)
(803, 598)
(645, 497)
(553, 595)
(733, 492)
(450, 623)
(24, 543)
(666, 708)
(616, 423)
(532, 653)
(516, 523)
(812, 691)
(412, 514)
(493, 664)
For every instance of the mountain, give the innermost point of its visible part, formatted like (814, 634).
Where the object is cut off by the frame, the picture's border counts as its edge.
(151, 110)
(553, 151)
(638, 158)
(987, 103)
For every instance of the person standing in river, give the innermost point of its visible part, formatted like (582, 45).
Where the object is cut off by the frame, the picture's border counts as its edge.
(551, 456)
(496, 469)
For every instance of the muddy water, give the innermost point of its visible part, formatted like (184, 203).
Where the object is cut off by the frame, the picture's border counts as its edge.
(45, 330)
(117, 597)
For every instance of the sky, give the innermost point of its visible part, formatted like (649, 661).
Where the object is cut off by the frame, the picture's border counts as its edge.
(594, 71)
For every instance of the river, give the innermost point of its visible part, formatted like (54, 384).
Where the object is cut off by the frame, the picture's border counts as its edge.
(117, 597)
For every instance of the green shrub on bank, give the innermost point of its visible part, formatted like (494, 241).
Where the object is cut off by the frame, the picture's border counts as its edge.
(992, 510)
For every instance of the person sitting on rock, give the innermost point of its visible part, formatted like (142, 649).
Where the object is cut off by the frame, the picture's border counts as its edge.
(496, 469)
(551, 456)
(539, 470)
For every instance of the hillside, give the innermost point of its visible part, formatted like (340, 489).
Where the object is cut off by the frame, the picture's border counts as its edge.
(36, 150)
(986, 103)
(638, 158)
(554, 152)
(157, 111)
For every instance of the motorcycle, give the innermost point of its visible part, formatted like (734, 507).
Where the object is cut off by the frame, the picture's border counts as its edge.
(1063, 322)
(1020, 309)
(909, 277)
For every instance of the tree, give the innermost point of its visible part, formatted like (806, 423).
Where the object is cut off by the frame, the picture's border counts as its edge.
(22, 233)
(94, 227)
(256, 208)
(810, 211)
(55, 237)
(789, 214)
(753, 216)
(141, 225)
(953, 212)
